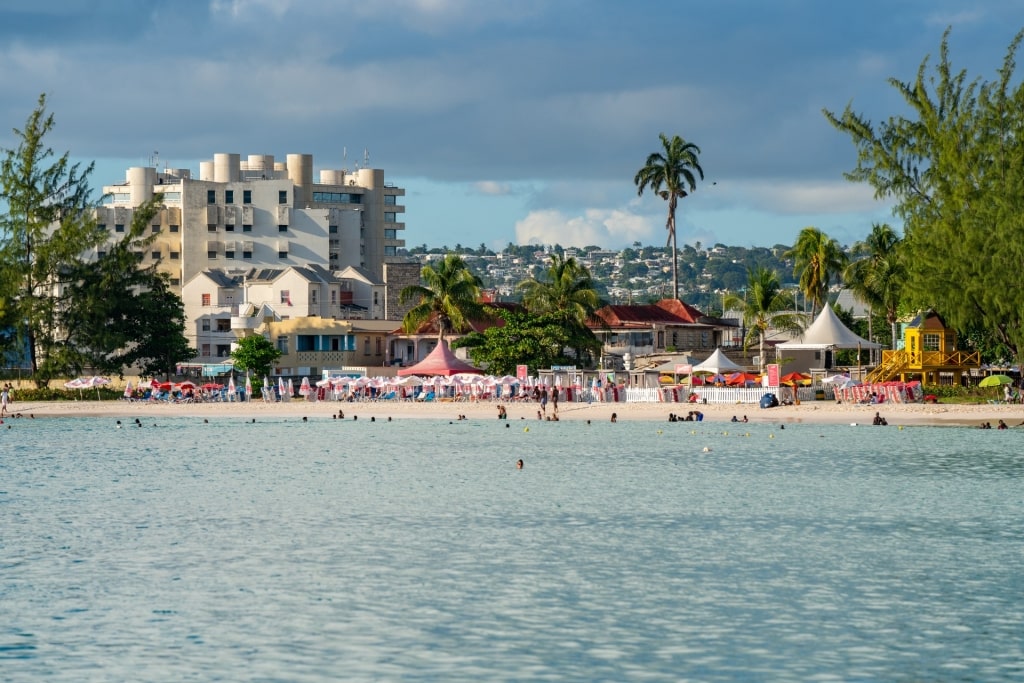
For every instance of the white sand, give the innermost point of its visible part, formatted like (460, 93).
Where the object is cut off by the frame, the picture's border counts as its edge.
(815, 412)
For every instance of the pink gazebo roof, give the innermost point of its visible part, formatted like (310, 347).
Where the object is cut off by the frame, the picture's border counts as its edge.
(440, 361)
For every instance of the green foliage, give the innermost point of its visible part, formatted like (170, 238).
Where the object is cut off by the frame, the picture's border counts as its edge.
(566, 294)
(538, 341)
(255, 354)
(450, 294)
(671, 174)
(817, 260)
(45, 233)
(954, 169)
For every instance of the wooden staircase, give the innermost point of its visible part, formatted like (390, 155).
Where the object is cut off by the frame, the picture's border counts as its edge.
(891, 366)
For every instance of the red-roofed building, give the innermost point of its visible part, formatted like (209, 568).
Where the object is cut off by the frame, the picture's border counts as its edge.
(669, 324)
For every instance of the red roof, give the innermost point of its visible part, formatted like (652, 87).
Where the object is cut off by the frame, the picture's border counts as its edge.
(666, 312)
(440, 361)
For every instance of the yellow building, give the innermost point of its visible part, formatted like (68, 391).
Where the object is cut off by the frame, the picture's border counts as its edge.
(929, 349)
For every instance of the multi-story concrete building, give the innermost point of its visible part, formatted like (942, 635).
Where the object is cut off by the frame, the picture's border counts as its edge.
(258, 213)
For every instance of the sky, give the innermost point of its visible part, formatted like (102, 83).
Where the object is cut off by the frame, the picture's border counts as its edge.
(521, 121)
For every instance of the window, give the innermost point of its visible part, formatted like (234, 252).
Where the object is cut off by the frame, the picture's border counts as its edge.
(362, 233)
(156, 227)
(206, 325)
(174, 255)
(100, 254)
(175, 282)
(229, 196)
(247, 253)
(390, 233)
(282, 228)
(247, 196)
(172, 228)
(246, 227)
(206, 300)
(286, 297)
(211, 227)
(102, 226)
(155, 255)
(390, 251)
(223, 324)
(334, 296)
(390, 199)
(389, 216)
(282, 254)
(282, 196)
(211, 254)
(366, 346)
(379, 346)
(230, 227)
(223, 350)
(229, 253)
(119, 227)
(282, 344)
(333, 229)
(211, 196)
(312, 296)
(206, 350)
(930, 341)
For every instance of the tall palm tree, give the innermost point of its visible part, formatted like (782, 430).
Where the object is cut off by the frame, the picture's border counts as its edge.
(567, 293)
(877, 273)
(765, 306)
(671, 175)
(817, 259)
(450, 292)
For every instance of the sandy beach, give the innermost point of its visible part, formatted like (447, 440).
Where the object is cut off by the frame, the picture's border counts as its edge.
(816, 412)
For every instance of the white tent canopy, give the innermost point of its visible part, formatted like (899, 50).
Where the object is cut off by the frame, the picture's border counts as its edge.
(828, 332)
(717, 363)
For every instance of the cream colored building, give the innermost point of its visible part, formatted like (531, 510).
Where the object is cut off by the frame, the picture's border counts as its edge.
(260, 212)
(222, 306)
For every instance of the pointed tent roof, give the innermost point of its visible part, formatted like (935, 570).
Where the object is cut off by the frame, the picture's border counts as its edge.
(717, 363)
(827, 331)
(440, 361)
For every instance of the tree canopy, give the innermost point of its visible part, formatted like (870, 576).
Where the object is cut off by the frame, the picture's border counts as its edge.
(450, 293)
(955, 168)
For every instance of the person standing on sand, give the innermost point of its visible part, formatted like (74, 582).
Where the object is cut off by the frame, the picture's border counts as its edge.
(5, 398)
(554, 400)
(544, 402)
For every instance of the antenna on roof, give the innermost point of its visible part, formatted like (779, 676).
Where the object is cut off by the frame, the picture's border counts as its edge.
(154, 160)
(344, 154)
(366, 158)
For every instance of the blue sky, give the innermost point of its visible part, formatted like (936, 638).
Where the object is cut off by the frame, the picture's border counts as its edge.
(506, 121)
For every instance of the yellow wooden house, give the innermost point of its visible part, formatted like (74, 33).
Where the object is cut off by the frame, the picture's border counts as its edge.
(929, 348)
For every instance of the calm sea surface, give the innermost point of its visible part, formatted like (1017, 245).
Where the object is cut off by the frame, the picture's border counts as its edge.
(415, 551)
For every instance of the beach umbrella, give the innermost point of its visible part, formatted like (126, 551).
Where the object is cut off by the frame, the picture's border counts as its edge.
(231, 388)
(304, 388)
(795, 378)
(248, 388)
(266, 388)
(291, 388)
(995, 381)
(128, 389)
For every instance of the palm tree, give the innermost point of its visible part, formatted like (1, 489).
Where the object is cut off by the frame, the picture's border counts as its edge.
(817, 259)
(877, 274)
(670, 175)
(567, 293)
(450, 292)
(765, 306)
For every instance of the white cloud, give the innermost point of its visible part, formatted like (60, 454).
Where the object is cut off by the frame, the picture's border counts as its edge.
(610, 228)
(795, 197)
(490, 187)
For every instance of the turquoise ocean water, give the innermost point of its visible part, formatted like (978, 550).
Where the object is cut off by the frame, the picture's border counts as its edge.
(415, 551)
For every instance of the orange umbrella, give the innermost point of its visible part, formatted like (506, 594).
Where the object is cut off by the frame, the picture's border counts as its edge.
(794, 378)
(739, 379)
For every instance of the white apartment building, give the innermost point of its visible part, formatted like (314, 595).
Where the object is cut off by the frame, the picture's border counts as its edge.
(257, 213)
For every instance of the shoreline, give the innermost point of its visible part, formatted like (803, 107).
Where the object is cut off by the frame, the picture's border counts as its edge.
(816, 412)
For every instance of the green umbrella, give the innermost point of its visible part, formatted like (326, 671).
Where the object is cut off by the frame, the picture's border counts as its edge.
(995, 381)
